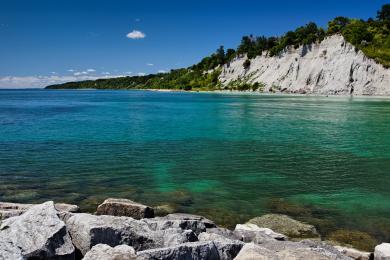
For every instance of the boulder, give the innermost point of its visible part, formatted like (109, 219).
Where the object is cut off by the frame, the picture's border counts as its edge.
(124, 207)
(227, 248)
(38, 234)
(285, 225)
(196, 223)
(354, 253)
(280, 250)
(204, 250)
(223, 232)
(251, 233)
(382, 252)
(8, 209)
(10, 251)
(101, 251)
(88, 230)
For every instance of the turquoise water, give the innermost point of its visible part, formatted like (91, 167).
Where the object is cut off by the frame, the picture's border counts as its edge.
(230, 157)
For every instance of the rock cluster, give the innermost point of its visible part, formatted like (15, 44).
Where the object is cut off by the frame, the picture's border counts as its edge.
(125, 230)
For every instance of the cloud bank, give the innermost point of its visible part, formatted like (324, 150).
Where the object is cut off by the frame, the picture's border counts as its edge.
(14, 82)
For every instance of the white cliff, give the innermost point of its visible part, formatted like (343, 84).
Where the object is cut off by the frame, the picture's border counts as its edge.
(333, 66)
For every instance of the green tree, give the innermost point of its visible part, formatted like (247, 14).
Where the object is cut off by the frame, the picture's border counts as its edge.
(384, 13)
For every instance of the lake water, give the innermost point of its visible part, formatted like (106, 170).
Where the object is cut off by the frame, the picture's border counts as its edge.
(325, 160)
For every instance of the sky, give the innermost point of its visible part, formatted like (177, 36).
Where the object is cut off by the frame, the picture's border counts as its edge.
(45, 42)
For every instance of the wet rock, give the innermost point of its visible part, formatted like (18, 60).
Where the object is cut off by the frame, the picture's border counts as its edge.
(195, 223)
(190, 251)
(8, 209)
(251, 232)
(101, 251)
(125, 207)
(88, 230)
(38, 234)
(227, 248)
(354, 253)
(285, 225)
(382, 252)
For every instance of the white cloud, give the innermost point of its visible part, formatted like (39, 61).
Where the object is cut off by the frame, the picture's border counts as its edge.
(53, 72)
(162, 71)
(106, 73)
(141, 73)
(150, 64)
(71, 70)
(91, 70)
(43, 81)
(135, 35)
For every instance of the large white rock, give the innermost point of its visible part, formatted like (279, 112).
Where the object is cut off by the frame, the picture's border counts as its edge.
(382, 252)
(88, 230)
(9, 209)
(281, 250)
(250, 232)
(105, 252)
(38, 233)
(330, 67)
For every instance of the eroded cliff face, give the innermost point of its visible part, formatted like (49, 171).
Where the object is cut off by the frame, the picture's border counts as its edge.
(332, 67)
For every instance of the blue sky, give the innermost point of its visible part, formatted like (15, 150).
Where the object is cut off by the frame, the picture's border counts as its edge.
(50, 41)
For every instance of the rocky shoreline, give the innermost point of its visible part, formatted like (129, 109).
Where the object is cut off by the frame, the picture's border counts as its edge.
(124, 229)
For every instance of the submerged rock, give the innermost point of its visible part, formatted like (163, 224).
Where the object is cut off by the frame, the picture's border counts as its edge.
(353, 238)
(382, 252)
(88, 230)
(125, 207)
(101, 251)
(204, 250)
(38, 234)
(285, 225)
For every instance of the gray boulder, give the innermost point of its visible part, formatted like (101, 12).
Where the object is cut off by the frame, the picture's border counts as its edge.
(88, 230)
(382, 252)
(124, 207)
(227, 248)
(38, 234)
(223, 232)
(8, 209)
(204, 250)
(10, 251)
(196, 223)
(253, 233)
(105, 252)
(285, 225)
(281, 250)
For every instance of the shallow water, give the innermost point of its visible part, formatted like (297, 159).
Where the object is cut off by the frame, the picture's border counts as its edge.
(230, 157)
